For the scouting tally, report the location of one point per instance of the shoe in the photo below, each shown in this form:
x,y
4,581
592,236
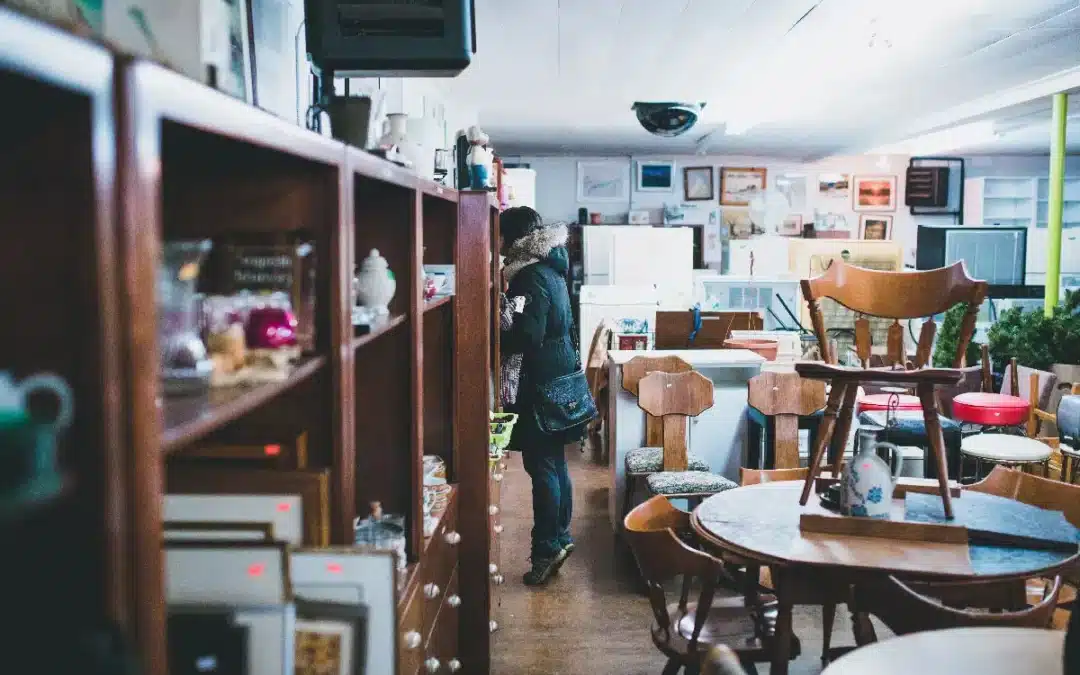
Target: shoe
x,y
565,553
543,569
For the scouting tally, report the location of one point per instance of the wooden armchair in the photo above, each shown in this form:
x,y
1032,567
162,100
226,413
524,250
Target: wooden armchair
x,y
596,372
785,397
686,631
892,295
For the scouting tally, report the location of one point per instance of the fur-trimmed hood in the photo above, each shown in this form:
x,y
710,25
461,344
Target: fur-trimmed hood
x,y
547,244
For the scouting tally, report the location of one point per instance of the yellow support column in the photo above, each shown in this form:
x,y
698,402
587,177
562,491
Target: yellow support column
x,y
1057,187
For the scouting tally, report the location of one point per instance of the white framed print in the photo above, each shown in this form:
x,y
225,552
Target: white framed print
x,y
655,176
602,181
875,226
874,193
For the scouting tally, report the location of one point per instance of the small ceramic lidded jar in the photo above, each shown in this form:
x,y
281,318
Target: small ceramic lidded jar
x,y
375,283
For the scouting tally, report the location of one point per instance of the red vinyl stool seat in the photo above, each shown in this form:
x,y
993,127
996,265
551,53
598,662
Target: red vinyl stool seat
x,y
870,402
998,410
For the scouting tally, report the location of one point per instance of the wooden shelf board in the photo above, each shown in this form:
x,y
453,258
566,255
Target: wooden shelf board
x,y
382,329
370,166
433,189
188,418
435,303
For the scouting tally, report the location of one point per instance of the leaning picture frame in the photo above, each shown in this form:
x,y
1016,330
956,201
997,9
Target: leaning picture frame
x,y
217,531
330,638
312,486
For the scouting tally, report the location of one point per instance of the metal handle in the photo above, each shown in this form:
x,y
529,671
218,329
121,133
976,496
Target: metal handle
x,y
453,600
453,538
432,665
431,591
413,639
453,665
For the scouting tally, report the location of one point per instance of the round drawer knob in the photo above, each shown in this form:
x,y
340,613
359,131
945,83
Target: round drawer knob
x,y
432,665
413,639
502,467
454,600
493,568
493,510
493,626
498,579
431,591
497,529
453,538
498,477
453,665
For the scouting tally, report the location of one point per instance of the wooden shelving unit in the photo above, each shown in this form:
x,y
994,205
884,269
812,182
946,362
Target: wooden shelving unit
x,y
109,158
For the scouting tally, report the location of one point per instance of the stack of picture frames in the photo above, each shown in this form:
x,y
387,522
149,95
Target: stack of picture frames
x,y
251,585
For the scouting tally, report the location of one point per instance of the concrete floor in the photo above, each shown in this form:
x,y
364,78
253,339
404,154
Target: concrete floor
x,y
591,619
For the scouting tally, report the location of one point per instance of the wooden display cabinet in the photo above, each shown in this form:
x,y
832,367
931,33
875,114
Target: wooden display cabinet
x,y
106,159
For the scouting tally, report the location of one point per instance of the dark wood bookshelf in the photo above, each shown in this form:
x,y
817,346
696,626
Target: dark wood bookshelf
x,y
107,159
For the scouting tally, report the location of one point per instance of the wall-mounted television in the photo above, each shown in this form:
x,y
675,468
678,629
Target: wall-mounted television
x,y
997,255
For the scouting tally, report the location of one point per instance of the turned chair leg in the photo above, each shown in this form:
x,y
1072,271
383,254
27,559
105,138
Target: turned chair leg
x,y
937,443
628,494
828,617
843,427
825,432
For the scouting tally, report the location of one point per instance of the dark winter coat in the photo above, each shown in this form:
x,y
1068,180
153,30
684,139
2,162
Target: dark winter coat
x,y
543,333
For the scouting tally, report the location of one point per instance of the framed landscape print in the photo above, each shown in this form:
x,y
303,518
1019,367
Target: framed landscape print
x,y
874,193
875,227
655,176
740,185
834,185
698,183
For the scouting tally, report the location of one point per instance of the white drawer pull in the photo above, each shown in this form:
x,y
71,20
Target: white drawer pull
x,y
497,529
432,665
493,510
497,579
431,591
453,665
454,600
493,626
413,640
453,538
498,477
493,568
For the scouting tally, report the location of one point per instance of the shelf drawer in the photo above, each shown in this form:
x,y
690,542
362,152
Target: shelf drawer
x,y
437,567
411,635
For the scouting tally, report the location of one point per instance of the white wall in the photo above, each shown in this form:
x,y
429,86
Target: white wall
x,y
556,184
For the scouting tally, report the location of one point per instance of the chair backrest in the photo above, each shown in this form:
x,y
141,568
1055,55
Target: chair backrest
x,y
673,397
895,295
785,396
755,476
905,611
637,368
652,530
1034,490
601,343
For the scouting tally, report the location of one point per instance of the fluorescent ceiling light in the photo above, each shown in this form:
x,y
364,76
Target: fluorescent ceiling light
x,y
954,138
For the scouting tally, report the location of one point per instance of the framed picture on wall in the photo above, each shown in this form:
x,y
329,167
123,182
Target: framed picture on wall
x,y
875,226
874,193
739,185
602,182
834,185
655,176
791,226
698,184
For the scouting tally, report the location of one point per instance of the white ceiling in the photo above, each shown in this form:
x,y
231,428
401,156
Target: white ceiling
x,y
559,76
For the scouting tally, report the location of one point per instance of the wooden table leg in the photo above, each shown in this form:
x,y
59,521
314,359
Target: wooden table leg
x,y
825,431
937,443
781,646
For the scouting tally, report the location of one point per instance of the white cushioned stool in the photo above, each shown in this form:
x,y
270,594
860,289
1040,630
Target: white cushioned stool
x,y
1005,449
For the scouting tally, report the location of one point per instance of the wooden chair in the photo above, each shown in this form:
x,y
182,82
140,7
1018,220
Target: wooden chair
x,y
1067,423
893,295
648,459
904,610
673,397
686,631
596,372
785,397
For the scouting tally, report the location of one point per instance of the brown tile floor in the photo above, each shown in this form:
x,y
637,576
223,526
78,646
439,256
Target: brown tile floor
x,y
590,620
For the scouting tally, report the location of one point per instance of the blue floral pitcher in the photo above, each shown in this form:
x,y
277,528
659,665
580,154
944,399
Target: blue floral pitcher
x,y
869,481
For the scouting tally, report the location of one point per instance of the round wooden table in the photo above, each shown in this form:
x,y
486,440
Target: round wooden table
x,y
987,651
760,523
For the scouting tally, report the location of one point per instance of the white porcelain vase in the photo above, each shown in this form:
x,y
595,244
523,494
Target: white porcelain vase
x,y
375,283
869,481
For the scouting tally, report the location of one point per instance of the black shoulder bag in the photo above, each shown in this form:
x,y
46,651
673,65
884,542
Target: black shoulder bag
x,y
565,404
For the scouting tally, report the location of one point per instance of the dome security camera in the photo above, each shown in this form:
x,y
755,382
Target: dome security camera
x,y
667,119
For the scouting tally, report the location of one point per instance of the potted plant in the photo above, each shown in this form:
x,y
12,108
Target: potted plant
x,y
949,335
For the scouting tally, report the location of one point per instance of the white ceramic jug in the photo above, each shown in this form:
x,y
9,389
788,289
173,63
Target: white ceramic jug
x,y
869,481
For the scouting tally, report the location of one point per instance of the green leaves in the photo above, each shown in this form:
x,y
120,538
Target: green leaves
x,y
949,335
1036,340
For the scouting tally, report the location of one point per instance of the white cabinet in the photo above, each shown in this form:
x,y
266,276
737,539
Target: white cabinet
x,y
1008,201
625,255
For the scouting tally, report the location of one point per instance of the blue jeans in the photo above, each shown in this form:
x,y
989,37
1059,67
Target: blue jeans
x,y
552,501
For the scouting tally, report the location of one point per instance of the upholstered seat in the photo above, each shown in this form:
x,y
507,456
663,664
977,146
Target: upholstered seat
x,y
650,460
1006,448
687,483
999,410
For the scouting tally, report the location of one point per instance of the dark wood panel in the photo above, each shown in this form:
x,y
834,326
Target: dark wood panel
x,y
384,215
438,406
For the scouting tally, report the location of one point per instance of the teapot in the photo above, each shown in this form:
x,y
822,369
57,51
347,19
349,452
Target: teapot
x,y
28,466
869,481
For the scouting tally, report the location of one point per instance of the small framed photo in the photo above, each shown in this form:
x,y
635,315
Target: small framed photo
x,y
330,638
655,176
632,341
739,185
874,193
698,184
791,226
875,227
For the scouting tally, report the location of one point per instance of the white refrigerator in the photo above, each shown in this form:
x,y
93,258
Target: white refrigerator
x,y
640,255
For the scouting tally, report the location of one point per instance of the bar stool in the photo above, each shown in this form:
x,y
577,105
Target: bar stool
x,y
1007,450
